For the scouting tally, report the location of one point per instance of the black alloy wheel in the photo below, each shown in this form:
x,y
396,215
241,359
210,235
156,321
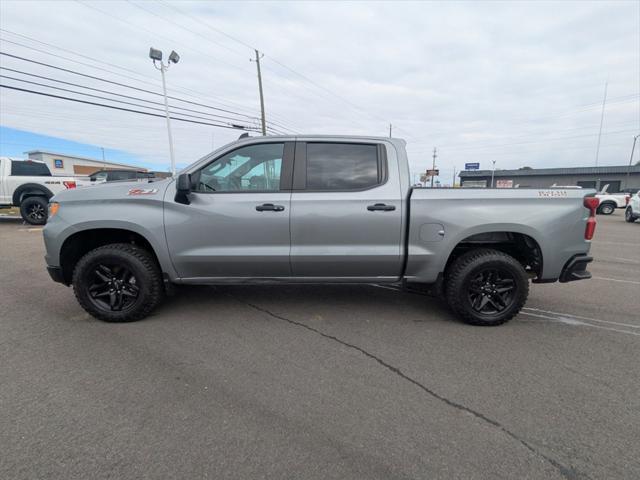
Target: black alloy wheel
x,y
113,287
491,291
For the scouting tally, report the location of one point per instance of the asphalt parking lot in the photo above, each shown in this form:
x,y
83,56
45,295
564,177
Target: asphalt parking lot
x,y
321,382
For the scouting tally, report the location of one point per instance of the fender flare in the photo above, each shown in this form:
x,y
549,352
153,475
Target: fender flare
x,y
30,190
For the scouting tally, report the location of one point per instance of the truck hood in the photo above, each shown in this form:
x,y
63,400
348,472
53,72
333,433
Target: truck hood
x,y
114,191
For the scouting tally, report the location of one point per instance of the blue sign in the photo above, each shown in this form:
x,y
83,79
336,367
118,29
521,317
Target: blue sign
x,y
472,166
58,163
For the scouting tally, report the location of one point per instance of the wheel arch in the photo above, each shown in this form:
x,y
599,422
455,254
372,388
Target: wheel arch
x,y
521,246
30,190
76,245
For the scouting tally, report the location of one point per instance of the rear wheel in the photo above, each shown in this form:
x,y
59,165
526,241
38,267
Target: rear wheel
x,y
606,208
486,287
118,283
34,210
628,215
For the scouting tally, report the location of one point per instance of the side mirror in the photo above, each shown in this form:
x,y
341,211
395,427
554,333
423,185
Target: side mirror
x,y
183,188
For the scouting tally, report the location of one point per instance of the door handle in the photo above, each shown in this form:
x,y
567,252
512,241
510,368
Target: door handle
x,y
382,207
269,207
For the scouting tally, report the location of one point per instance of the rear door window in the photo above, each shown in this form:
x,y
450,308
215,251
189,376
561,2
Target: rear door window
x,y
29,169
342,166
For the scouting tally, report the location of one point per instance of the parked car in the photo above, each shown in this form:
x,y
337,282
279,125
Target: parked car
x,y
314,209
610,201
101,176
29,185
632,212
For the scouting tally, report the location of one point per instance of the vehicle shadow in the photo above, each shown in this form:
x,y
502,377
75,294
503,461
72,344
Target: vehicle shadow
x,y
300,302
11,220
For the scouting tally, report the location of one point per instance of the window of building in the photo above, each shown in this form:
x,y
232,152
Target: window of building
x,y
342,166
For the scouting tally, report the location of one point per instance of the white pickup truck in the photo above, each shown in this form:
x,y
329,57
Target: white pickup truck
x,y
29,185
610,201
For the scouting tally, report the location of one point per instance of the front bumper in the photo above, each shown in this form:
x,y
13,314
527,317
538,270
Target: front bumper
x,y
56,274
576,269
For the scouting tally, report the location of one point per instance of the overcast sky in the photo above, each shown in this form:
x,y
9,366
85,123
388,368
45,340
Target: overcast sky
x,y
520,83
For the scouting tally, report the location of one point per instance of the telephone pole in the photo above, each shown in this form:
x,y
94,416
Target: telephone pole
x,y
453,184
390,127
264,123
433,168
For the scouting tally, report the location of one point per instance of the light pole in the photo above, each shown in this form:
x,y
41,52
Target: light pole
x,y
493,172
633,147
156,56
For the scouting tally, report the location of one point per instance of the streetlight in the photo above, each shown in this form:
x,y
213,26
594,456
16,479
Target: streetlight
x,y
493,172
156,56
633,147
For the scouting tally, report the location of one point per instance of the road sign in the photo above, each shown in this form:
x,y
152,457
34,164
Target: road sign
x,y
433,173
472,166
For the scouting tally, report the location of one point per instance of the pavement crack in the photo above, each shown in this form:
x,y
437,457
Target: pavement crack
x,y
567,472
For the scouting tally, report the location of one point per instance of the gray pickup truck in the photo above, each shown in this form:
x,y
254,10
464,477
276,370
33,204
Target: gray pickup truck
x,y
314,209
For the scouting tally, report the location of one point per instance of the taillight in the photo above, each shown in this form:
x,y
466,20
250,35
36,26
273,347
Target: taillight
x,y
626,199
70,184
592,204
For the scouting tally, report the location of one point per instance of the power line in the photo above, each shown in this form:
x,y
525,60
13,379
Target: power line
x,y
145,77
122,84
237,127
119,74
105,98
105,91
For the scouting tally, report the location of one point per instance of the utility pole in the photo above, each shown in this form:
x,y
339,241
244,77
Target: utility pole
x,y
264,123
433,168
493,172
604,100
453,184
633,147
390,127
104,163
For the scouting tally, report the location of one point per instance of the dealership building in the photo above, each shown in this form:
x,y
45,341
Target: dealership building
x,y
61,164
585,177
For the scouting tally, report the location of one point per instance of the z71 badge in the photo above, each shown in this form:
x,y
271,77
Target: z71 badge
x,y
142,191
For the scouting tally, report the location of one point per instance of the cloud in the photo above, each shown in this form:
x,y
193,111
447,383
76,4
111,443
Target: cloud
x,y
520,83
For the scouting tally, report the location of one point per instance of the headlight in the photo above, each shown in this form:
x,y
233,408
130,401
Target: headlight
x,y
53,208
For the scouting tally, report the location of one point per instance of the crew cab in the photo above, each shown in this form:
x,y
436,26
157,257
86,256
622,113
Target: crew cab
x,y
28,184
314,209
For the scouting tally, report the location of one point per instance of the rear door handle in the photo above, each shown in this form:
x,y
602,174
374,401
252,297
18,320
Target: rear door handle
x,y
382,207
269,207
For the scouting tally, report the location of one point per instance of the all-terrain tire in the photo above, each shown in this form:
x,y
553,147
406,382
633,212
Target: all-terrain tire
x,y
34,210
118,257
462,287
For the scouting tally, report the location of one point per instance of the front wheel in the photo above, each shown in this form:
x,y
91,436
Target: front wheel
x,y
628,215
486,287
606,209
34,210
118,282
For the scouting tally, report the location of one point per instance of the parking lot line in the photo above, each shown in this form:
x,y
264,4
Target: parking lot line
x,y
572,316
580,323
616,280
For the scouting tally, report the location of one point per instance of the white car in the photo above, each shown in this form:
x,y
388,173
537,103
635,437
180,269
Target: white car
x,y
632,212
28,184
